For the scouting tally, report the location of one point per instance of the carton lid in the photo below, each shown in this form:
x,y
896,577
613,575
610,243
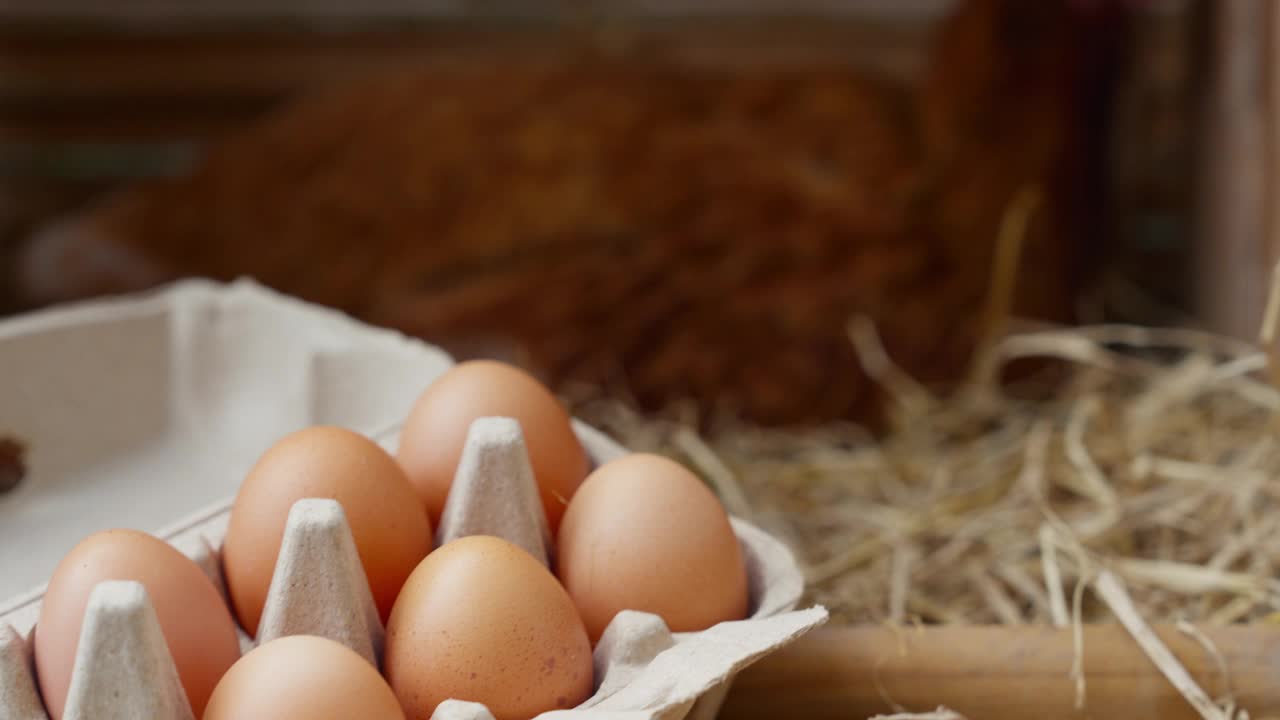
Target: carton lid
x,y
139,410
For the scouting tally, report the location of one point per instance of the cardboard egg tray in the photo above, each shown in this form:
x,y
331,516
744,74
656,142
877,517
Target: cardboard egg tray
x,y
123,668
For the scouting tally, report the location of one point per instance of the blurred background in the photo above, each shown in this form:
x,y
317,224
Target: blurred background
x,y
678,202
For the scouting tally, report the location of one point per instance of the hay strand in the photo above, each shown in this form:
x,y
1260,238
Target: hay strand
x,y
1112,592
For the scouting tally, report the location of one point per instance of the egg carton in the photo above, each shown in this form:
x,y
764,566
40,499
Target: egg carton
x,y
123,668
211,373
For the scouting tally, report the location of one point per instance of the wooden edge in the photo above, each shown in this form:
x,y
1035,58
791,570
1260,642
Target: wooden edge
x,y
995,673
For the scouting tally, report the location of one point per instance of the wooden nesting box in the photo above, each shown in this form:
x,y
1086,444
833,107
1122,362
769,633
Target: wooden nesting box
x,y
689,206
1238,240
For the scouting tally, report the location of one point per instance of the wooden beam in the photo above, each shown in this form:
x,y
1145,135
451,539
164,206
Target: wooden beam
x,y
1001,673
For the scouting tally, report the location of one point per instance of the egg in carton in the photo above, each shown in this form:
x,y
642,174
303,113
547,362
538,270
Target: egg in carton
x,y
123,668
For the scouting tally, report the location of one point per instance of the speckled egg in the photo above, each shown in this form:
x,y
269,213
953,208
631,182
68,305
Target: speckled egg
x,y
481,620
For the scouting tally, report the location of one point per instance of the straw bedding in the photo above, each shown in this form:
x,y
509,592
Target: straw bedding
x,y
1128,477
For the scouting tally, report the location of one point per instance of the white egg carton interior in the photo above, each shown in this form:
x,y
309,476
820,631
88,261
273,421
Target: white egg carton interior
x,y
123,668
131,409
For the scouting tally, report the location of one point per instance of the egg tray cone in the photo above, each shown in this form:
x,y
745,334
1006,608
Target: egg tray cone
x,y
124,670
494,492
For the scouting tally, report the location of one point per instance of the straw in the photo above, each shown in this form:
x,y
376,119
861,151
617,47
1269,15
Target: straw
x,y
1147,451
1135,461
1114,594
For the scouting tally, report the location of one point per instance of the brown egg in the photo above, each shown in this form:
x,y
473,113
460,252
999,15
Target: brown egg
x,y
303,677
196,623
432,438
482,620
644,533
390,527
